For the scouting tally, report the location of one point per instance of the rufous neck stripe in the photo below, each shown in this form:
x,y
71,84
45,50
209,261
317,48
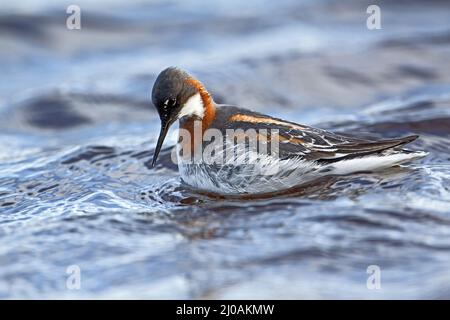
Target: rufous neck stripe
x,y
208,103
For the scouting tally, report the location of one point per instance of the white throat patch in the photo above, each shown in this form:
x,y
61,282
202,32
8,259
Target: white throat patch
x,y
193,106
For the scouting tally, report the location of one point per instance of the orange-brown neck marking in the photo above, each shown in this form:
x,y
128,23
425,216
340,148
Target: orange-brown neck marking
x,y
208,116
208,103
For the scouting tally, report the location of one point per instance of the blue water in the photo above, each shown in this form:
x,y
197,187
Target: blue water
x,y
77,131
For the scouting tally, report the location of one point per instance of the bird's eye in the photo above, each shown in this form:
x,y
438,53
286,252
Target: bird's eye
x,y
171,102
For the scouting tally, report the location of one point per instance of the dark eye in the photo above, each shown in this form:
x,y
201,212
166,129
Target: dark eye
x,y
171,102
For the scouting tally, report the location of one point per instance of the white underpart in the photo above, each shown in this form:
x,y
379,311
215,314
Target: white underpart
x,y
261,173
374,162
264,173
193,106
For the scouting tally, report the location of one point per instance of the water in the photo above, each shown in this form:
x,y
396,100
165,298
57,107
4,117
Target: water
x,y
77,132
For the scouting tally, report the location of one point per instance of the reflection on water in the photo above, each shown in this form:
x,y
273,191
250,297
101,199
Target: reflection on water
x,y
77,131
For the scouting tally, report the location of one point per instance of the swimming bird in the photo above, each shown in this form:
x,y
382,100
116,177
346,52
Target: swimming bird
x,y
298,153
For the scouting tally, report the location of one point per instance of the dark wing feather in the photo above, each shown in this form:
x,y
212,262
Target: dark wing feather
x,y
359,149
320,145
297,140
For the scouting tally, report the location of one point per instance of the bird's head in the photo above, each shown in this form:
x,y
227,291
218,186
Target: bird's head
x,y
176,95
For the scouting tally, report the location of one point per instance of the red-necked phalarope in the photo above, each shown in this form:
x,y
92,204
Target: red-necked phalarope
x,y
298,153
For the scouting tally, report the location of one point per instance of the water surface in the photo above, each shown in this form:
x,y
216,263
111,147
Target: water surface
x,y
77,131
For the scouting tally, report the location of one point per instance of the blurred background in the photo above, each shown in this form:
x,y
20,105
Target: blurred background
x,y
77,129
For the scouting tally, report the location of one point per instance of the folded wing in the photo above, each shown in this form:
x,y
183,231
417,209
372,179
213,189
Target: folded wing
x,y
313,144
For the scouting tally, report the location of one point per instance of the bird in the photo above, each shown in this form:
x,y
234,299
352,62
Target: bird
x,y
298,153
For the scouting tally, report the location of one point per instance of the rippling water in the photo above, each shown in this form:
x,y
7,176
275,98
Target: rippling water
x,y
77,131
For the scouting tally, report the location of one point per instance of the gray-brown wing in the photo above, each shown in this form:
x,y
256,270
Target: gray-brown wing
x,y
297,140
